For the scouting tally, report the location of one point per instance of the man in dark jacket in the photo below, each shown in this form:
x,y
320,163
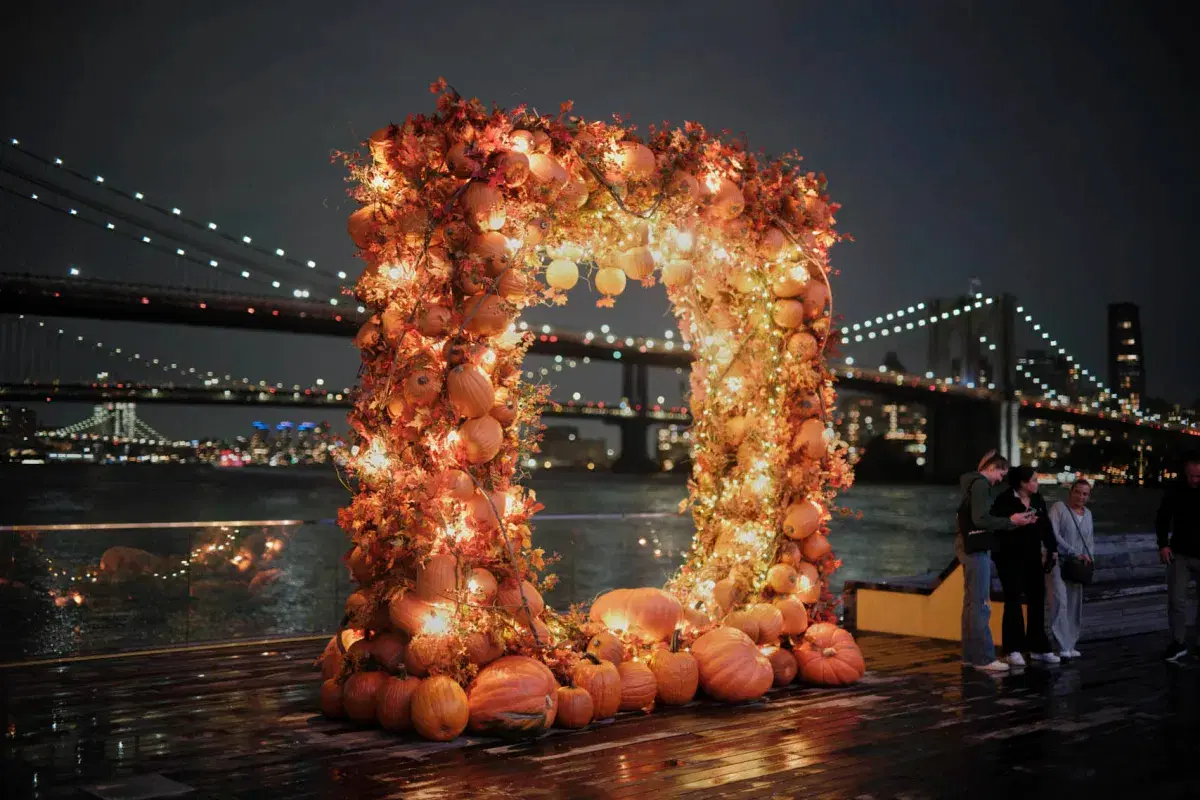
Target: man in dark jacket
x,y
1178,528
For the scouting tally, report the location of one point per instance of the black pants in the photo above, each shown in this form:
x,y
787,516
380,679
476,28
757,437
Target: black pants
x,y
1023,579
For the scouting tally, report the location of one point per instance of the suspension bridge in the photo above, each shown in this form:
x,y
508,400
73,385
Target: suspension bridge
x,y
977,388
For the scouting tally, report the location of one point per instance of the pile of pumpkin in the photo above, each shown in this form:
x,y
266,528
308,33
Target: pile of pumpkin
x,y
630,670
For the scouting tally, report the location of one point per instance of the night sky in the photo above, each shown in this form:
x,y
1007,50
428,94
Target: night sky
x,y
1050,153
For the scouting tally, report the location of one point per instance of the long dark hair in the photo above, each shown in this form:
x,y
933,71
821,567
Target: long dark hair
x,y
1019,475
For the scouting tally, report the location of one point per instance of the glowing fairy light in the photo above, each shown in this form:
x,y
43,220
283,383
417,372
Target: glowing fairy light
x,y
376,458
437,623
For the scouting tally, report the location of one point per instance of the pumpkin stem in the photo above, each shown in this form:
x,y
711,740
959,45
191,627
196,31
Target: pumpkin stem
x,y
592,657
675,641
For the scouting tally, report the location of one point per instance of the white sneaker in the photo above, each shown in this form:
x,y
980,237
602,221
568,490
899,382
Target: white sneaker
x,y
1016,660
1046,658
1064,654
1074,654
995,666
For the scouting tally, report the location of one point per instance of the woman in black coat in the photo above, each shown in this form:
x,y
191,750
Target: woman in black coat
x,y
1022,566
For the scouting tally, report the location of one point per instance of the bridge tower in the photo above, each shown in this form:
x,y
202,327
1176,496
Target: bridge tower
x,y
635,433
978,350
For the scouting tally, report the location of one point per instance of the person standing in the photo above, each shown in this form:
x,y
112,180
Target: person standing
x,y
1178,529
1022,557
975,527
1074,532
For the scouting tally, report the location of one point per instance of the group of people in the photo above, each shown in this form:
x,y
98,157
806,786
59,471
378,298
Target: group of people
x,y
1003,524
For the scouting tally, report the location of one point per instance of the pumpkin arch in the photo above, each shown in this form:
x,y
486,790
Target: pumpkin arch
x,y
468,217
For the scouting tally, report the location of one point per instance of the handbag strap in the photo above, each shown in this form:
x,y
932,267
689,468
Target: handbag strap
x,y
1079,530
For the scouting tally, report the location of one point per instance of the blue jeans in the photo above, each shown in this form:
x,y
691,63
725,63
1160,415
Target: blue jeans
x,y
977,647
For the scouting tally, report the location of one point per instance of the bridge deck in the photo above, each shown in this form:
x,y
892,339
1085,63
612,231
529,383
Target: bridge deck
x,y
239,723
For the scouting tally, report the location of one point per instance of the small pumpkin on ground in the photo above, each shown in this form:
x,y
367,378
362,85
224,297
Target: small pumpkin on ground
x,y
783,664
638,686
331,700
675,673
393,704
829,656
602,680
358,695
439,709
574,707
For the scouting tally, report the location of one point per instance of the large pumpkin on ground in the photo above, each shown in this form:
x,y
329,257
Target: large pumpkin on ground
x,y
649,613
602,681
638,686
829,656
439,709
731,668
513,696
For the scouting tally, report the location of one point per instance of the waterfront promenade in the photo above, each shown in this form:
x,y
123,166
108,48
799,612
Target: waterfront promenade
x,y
241,722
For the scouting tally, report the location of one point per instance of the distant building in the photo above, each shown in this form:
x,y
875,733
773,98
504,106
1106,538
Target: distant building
x,y
1126,358
562,446
18,430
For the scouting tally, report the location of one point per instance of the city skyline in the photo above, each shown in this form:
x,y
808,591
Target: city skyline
x,y
944,171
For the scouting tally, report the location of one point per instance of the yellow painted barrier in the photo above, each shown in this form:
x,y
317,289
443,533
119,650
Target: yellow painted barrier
x,y
935,614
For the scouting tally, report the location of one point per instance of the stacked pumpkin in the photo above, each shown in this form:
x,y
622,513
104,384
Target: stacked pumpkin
x,y
467,218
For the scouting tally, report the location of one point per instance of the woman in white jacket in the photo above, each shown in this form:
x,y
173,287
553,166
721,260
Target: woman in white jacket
x,y
1075,534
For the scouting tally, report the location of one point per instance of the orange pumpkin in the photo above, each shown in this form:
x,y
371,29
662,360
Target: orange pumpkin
x,y
638,686
794,614
728,200
788,313
677,273
363,224
809,582
789,284
635,160
512,285
482,587
514,168
437,578
607,646
743,621
574,708
810,439
803,345
408,613
331,660
388,650
829,656
562,274
637,263
422,386
815,547
816,299
801,519
651,614
433,320
685,184
393,704
470,391
602,681
358,695
574,194
456,483
731,667
482,648
425,651
484,315
514,696
610,281
789,553
783,665
769,620
367,336
331,700
482,203
728,593
439,709
772,243
461,164
675,674
510,599
546,169
783,579
505,413
481,439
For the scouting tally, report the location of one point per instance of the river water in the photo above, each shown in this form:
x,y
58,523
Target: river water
x,y
894,531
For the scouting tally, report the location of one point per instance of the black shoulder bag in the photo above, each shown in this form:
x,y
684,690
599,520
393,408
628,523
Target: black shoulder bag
x,y
974,541
1073,568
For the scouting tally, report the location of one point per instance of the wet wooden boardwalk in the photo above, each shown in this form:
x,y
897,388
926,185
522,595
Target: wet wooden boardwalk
x,y
240,723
